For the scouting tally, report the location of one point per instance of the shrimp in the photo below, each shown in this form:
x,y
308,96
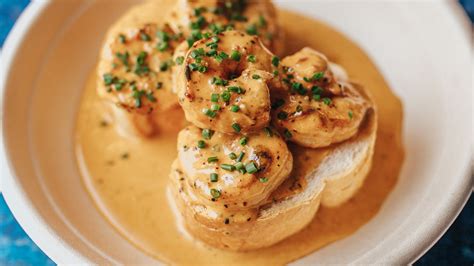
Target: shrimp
x,y
235,172
134,74
222,83
313,107
192,18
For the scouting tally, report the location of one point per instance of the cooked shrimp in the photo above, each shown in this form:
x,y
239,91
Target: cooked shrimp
x,y
193,18
134,73
233,171
222,83
311,106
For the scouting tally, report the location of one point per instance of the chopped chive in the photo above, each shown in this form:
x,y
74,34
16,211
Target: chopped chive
x,y
221,57
215,193
161,46
213,177
219,81
211,52
317,76
214,97
239,166
228,167
275,73
316,90
287,134
268,131
241,156
261,21
251,168
202,69
215,107
201,144
207,133
278,103
251,58
282,115
122,38
162,36
252,29
263,179
316,97
243,141
232,156
108,78
197,53
327,101
236,89
212,159
236,127
209,112
350,114
275,61
255,76
235,55
179,60
225,96
144,37
234,108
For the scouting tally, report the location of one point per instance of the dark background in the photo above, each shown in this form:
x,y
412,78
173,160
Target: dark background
x,y
456,247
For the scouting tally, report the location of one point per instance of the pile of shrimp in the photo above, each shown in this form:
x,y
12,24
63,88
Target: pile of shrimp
x,y
242,101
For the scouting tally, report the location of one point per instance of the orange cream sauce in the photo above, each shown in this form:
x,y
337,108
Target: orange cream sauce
x,y
128,178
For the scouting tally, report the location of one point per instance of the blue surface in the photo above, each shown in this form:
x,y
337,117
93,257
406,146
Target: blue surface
x,y
456,247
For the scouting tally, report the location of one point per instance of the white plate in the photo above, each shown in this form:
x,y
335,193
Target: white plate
x,y
421,47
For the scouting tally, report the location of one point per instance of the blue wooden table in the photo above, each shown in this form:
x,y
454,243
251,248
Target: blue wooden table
x,y
456,247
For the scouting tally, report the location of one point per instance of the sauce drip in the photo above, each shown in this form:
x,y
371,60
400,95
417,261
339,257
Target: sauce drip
x,y
128,178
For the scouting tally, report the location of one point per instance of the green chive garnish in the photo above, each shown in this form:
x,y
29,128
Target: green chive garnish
x,y
239,166
235,55
207,133
236,127
179,60
263,179
108,79
275,61
212,159
243,141
327,101
255,76
122,38
214,97
209,112
228,167
241,156
215,107
252,30
282,115
251,58
201,144
225,96
232,156
234,108
251,168
350,114
287,134
144,37
215,193
213,177
268,131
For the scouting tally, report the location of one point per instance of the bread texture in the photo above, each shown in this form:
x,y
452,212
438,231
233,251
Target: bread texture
x,y
330,182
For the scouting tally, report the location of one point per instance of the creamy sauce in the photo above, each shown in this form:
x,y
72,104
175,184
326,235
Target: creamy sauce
x,y
128,178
